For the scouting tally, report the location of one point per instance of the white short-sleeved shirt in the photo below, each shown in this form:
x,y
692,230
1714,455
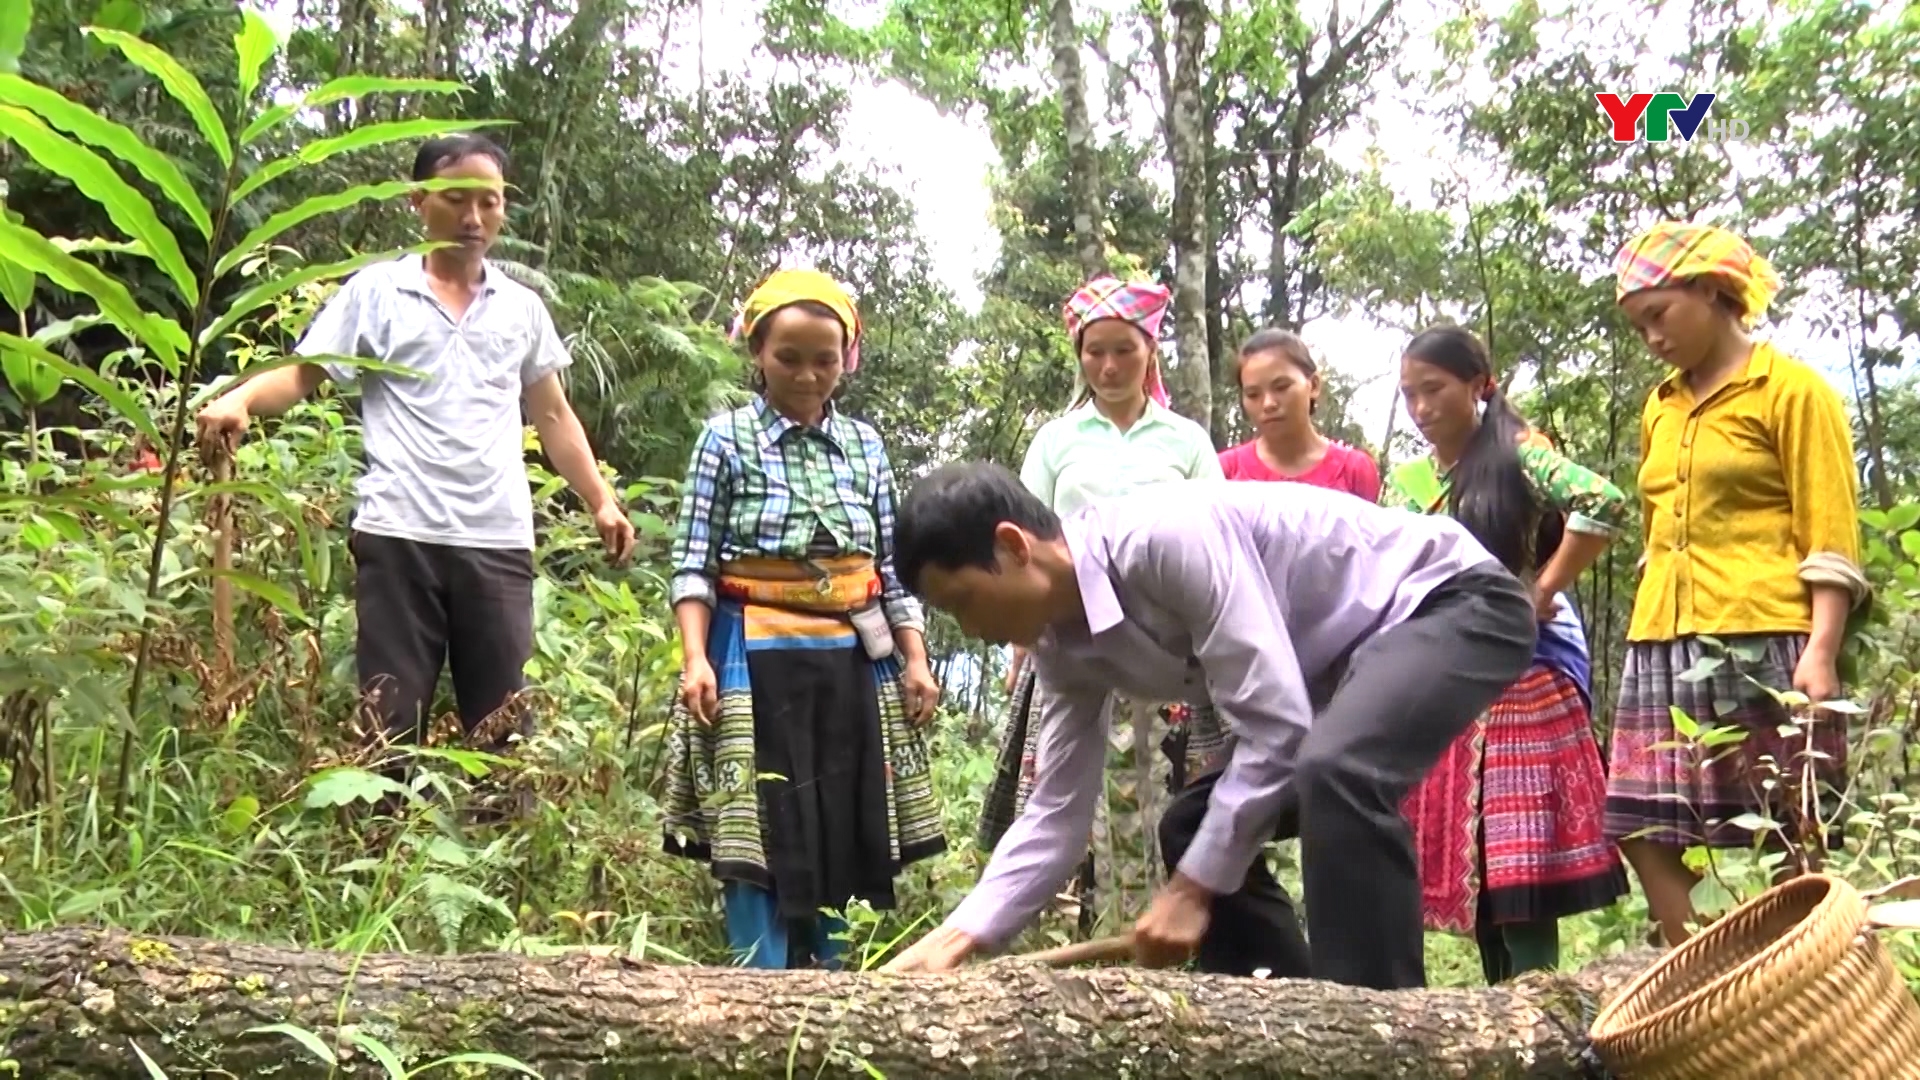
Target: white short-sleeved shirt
x,y
444,453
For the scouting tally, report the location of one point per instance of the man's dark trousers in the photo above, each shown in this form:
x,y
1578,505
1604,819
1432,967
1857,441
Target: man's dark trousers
x,y
1404,695
422,605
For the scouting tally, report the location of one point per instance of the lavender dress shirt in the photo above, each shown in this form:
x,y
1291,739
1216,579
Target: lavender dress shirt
x,y
1248,595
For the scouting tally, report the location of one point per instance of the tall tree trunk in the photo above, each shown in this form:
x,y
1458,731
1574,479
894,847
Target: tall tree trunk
x,y
1868,403
1083,164
80,1000
1186,152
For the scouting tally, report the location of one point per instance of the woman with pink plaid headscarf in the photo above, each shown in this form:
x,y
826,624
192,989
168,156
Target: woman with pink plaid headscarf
x,y
1118,437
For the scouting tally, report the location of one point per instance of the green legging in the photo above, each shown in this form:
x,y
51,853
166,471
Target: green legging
x,y
1508,949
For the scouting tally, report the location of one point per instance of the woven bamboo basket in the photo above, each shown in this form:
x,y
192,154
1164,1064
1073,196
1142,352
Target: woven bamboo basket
x,y
1794,983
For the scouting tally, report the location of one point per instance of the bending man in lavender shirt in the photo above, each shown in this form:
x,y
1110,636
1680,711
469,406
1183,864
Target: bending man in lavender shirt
x,y
1344,644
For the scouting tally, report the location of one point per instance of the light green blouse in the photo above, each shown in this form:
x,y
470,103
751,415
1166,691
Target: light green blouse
x,y
1082,456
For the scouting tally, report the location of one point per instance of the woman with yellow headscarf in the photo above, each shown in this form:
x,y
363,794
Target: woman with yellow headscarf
x,y
1748,495
797,770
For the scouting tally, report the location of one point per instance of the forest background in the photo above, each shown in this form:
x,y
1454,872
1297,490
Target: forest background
x,y
176,706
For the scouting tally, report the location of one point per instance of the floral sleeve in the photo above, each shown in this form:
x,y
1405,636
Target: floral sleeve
x,y
1592,503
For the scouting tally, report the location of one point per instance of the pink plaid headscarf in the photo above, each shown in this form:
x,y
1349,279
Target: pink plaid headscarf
x,y
1142,304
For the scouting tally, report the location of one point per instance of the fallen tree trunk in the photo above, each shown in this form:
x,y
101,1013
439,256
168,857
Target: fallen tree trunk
x,y
75,1002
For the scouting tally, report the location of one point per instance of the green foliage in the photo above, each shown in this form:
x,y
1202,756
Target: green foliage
x,y
183,190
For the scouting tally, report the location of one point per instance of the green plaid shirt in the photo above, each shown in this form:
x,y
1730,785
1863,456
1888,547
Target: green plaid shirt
x,y
760,485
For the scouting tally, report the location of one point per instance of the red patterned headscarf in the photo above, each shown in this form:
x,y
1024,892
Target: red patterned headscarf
x,y
1140,304
1673,252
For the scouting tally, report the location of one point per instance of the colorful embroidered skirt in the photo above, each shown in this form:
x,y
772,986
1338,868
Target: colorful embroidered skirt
x,y
811,783
1685,796
1194,743
1515,808
1012,767
1197,744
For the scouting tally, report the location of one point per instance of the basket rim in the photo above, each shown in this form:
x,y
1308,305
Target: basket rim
x,y
1607,1026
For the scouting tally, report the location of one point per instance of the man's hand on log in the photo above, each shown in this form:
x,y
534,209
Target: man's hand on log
x,y
1170,932
941,950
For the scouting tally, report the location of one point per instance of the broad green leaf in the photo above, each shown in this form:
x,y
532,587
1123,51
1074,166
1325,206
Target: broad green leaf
x,y
122,402
81,904
66,328
123,15
267,121
38,533
1903,516
480,1057
95,130
266,493
154,1071
16,285
358,86
341,89
253,46
277,595
88,244
386,1057
328,204
179,82
475,763
162,336
360,138
16,18
305,1038
85,505
1711,897
251,300
220,386
240,813
345,784
32,382
88,171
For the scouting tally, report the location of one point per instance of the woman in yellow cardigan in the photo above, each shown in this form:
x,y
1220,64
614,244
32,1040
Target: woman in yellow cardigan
x,y
1748,494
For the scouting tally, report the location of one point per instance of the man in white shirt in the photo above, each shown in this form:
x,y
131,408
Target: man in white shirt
x,y
442,529
1344,644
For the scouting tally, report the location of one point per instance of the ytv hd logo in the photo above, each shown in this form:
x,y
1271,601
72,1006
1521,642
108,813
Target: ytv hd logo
x,y
1666,112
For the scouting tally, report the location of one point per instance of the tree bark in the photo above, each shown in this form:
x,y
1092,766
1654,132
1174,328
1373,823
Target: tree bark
x,y
1083,162
76,1002
1192,382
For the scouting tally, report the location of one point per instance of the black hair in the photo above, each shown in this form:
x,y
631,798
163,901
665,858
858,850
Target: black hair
x,y
1080,333
437,154
1722,294
1286,343
1490,493
948,519
1289,345
757,338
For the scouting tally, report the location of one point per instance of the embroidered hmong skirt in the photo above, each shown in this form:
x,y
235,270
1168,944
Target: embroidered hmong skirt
x,y
1686,796
811,783
1195,740
1515,809
1013,766
1197,744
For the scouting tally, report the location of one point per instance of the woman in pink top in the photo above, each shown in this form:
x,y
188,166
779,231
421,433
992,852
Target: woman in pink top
x,y
1279,389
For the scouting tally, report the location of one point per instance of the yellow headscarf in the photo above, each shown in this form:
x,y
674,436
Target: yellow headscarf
x,y
1674,252
785,287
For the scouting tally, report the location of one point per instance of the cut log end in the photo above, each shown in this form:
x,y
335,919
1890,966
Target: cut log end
x,y
77,1000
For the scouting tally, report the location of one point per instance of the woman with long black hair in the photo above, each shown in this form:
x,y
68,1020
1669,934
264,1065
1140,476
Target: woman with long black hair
x,y
1508,824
